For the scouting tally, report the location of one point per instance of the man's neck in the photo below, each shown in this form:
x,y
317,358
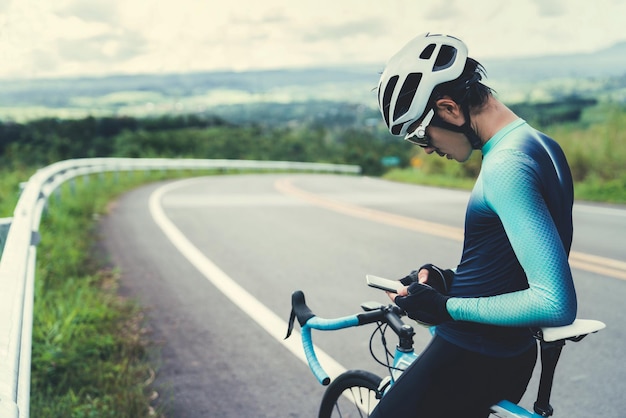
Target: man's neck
x,y
490,118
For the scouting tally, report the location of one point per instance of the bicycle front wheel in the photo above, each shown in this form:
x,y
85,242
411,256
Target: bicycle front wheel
x,y
351,394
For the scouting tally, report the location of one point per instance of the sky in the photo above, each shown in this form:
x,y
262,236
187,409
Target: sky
x,y
67,38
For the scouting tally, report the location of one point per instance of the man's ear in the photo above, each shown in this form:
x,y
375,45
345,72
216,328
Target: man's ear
x,y
449,110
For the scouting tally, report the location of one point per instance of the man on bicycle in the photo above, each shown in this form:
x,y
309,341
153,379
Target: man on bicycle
x,y
514,272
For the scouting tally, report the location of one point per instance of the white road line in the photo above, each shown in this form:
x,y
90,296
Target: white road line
x,y
258,312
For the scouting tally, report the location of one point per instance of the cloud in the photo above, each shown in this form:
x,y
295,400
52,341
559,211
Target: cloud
x,y
442,11
100,11
117,47
272,16
553,8
369,27
41,58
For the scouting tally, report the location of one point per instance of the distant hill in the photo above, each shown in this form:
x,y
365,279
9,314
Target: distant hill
x,y
145,93
609,62
60,91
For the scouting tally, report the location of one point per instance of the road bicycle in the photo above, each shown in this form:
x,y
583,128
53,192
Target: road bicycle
x,y
355,393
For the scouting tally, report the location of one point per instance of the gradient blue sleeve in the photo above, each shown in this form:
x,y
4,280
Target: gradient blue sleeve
x,y
512,190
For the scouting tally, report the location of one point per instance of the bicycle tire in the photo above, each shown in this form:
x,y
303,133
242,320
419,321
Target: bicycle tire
x,y
360,388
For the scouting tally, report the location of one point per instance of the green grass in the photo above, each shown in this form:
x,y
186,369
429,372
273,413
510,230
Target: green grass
x,y
10,189
435,180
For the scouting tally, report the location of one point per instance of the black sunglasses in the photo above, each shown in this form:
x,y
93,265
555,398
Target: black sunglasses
x,y
418,136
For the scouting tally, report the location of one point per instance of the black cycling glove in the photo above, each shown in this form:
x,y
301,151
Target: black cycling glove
x,y
438,278
424,304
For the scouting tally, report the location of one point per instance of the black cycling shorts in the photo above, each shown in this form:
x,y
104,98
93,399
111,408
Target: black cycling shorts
x,y
448,381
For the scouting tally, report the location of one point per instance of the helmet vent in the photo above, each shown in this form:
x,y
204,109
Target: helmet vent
x,y
427,52
387,97
445,58
406,95
396,129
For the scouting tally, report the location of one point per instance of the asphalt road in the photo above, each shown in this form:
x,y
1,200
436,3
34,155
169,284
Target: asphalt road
x,y
214,261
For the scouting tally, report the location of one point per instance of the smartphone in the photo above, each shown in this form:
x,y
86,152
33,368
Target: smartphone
x,y
384,284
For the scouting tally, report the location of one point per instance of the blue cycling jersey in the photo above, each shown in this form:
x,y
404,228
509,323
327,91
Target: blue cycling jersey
x,y
514,272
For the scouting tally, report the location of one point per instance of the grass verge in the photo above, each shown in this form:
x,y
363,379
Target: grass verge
x,y
436,180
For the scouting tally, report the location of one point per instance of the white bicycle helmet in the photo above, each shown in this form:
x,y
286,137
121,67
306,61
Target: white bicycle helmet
x,y
412,74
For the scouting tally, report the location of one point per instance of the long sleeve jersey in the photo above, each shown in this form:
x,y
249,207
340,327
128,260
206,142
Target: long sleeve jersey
x,y
514,272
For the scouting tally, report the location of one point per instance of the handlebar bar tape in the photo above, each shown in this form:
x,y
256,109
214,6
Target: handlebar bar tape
x,y
307,342
308,321
311,358
333,324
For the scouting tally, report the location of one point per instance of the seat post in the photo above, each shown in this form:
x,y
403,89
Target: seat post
x,y
550,353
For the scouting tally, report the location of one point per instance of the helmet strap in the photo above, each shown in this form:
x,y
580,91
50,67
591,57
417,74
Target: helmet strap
x,y
471,134
465,129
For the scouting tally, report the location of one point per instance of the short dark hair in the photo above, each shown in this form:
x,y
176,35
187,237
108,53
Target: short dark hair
x,y
467,88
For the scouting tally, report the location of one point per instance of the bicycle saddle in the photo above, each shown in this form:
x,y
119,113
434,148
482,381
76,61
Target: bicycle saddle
x,y
575,331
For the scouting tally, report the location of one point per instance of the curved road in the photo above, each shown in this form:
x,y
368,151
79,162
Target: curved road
x,y
214,260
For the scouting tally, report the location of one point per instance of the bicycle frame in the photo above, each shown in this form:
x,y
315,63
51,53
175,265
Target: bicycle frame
x,y
552,340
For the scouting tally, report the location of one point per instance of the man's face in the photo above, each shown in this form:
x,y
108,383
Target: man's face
x,y
445,143
452,145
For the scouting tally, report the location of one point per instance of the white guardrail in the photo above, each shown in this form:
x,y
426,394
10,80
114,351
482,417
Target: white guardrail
x,y
17,265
